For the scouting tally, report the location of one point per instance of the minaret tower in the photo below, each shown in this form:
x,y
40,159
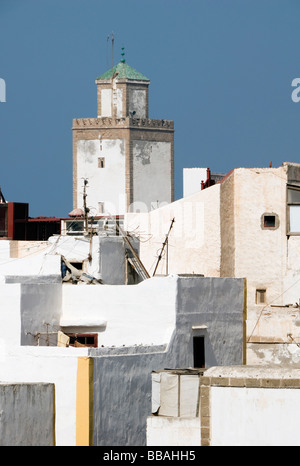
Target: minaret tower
x,y
127,158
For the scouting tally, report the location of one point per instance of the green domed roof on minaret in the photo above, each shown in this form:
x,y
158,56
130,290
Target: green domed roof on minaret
x,y
123,71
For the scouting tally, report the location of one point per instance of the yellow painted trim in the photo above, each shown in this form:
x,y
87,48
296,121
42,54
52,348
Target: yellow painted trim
x,y
245,323
84,401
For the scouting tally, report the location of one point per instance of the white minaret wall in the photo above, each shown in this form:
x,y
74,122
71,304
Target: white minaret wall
x,y
126,157
138,103
105,185
151,161
106,103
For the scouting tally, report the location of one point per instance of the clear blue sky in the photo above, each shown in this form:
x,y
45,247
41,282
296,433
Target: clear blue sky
x,y
221,69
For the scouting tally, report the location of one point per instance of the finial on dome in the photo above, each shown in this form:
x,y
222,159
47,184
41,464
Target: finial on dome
x,y
123,55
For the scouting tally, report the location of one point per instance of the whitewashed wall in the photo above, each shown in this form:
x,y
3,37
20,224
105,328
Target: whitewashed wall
x,y
194,241
4,250
192,178
239,406
106,103
260,254
49,365
151,173
136,314
258,416
172,431
33,364
104,184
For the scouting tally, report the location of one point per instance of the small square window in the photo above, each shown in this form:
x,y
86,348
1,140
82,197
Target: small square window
x,y
101,162
269,221
260,296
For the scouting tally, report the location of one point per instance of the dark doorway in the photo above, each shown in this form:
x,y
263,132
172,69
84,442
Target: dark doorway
x,y
199,352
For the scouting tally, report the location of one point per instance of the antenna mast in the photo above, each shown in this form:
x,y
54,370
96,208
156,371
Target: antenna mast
x,y
112,37
86,209
165,243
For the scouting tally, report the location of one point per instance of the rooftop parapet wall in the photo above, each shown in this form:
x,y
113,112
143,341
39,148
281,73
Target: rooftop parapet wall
x,y
23,405
163,311
146,123
258,398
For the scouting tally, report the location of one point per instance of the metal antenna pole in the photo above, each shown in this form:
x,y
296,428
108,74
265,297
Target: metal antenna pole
x,y
163,247
86,210
112,37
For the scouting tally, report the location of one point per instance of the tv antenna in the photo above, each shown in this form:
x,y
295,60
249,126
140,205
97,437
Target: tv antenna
x,y
112,38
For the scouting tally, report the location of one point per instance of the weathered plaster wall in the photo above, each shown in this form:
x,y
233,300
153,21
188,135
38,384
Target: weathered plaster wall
x,y
138,102
262,403
27,415
217,303
121,98
119,179
106,103
260,254
14,249
36,268
113,253
227,220
47,364
219,232
194,241
27,248
40,313
111,102
112,260
123,315
142,328
122,376
25,308
104,184
151,173
266,257
279,354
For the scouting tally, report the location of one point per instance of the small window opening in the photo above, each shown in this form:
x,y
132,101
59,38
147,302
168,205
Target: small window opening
x,y
77,265
101,207
83,339
199,352
269,221
101,162
260,296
